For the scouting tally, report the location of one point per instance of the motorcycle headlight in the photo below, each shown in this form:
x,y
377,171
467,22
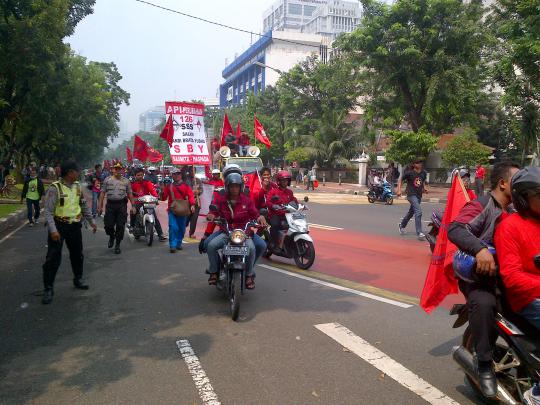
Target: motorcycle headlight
x,y
238,237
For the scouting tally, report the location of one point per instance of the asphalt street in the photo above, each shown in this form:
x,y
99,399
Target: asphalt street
x,y
151,331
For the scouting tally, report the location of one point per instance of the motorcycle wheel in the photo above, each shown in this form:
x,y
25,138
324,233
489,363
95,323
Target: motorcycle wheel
x,y
306,259
149,233
370,199
389,200
234,299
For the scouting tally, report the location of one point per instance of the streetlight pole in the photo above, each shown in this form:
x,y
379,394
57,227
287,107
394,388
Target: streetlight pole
x,y
279,72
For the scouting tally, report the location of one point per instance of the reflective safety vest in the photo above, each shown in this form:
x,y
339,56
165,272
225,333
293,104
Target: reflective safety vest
x,y
68,204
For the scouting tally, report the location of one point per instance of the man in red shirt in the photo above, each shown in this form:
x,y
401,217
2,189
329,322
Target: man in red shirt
x,y
237,209
479,180
267,185
281,195
141,187
243,142
177,190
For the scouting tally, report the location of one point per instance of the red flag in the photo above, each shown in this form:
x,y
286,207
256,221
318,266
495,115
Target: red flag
x,y
154,155
253,181
225,129
167,132
238,129
440,280
129,156
140,149
260,134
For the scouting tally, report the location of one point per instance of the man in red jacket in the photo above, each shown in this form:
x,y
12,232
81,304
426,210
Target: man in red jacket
x,y
267,185
141,187
281,195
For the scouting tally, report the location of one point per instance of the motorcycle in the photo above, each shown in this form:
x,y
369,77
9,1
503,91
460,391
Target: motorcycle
x,y
145,219
294,241
232,271
435,224
516,353
381,193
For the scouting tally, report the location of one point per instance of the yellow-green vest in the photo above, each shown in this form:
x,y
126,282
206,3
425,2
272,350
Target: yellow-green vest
x,y
33,193
68,204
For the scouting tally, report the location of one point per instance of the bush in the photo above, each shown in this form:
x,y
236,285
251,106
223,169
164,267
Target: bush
x,y
465,150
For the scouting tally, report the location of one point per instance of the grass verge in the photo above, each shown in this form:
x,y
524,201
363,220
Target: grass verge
x,y
6,209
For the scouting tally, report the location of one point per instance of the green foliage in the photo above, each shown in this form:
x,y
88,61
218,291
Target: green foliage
x,y
419,61
300,155
465,150
408,146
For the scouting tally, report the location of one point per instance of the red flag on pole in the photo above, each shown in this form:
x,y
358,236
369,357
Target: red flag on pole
x,y
253,181
225,129
167,132
154,155
129,156
140,149
238,129
440,280
260,134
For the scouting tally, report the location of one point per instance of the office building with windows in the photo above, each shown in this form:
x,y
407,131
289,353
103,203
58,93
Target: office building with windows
x,y
289,14
333,18
150,119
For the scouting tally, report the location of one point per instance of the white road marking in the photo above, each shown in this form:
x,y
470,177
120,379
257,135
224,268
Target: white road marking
x,y
387,365
339,287
11,233
327,227
206,391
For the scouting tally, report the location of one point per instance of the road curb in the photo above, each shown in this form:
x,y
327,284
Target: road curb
x,y
12,220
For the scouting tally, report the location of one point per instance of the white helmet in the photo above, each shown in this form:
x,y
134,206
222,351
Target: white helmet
x,y
216,171
151,169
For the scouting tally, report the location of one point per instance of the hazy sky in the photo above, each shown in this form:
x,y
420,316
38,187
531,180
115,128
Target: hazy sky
x,y
161,54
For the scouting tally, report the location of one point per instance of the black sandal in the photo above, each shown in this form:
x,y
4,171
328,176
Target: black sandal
x,y
212,280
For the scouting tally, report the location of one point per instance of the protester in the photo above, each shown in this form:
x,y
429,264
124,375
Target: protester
x,y
232,142
266,186
466,177
416,179
194,217
94,185
64,208
278,196
32,190
177,190
152,175
479,180
472,231
310,178
117,189
243,143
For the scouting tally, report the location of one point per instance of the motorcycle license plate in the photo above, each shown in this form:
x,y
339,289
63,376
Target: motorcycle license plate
x,y
229,250
297,215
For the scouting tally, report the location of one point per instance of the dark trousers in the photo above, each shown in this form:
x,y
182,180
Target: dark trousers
x,y
71,234
157,224
115,219
275,226
32,205
193,218
479,187
482,309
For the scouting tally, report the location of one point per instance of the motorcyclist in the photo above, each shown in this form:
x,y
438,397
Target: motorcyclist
x,y
216,180
466,177
471,231
141,187
280,195
237,209
266,186
152,175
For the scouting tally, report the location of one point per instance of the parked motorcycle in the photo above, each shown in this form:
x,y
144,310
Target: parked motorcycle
x,y
294,241
145,219
435,226
382,193
516,352
233,256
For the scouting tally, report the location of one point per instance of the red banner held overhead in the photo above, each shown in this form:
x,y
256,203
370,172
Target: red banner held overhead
x,y
168,131
225,129
140,149
260,134
129,156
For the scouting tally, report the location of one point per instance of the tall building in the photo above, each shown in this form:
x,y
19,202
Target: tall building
x,y
264,61
289,14
334,18
150,119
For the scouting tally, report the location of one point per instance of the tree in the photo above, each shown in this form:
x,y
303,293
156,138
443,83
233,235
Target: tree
x,y
409,146
420,61
465,150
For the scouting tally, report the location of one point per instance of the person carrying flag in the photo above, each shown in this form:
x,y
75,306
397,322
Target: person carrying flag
x,y
280,195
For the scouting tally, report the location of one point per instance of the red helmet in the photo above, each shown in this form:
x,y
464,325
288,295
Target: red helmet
x,y
284,174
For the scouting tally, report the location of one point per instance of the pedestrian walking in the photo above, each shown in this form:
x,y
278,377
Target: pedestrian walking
x,y
65,206
94,185
479,176
179,209
416,179
33,190
117,190
310,179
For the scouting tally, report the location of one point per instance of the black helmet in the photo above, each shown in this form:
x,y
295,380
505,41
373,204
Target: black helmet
x,y
525,180
234,178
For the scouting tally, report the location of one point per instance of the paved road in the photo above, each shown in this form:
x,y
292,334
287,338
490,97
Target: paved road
x,y
297,342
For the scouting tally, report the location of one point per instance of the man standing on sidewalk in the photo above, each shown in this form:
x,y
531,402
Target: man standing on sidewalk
x,y
416,186
64,208
32,190
479,180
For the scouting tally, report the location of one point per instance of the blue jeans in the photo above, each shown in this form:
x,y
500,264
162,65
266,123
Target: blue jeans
x,y
177,228
415,210
32,205
95,196
217,240
532,313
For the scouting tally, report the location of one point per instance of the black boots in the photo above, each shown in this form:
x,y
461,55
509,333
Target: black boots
x,y
117,248
81,285
486,378
111,242
47,296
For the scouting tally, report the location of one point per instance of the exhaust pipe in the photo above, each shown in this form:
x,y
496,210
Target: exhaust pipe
x,y
466,361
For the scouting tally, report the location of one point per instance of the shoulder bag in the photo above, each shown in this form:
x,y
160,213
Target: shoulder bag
x,y
180,208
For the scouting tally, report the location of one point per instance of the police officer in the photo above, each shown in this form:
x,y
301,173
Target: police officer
x,y
118,190
64,208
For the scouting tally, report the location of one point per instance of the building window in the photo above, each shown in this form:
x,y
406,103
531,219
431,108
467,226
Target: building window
x,y
259,77
253,82
295,9
308,10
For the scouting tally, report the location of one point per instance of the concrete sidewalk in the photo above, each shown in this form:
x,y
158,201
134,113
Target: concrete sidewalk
x,y
437,194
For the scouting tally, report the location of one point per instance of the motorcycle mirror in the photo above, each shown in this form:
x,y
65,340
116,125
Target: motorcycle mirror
x,y
275,198
213,207
263,212
306,198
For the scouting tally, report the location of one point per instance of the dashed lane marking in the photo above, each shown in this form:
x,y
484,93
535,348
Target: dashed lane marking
x,y
339,287
387,365
202,382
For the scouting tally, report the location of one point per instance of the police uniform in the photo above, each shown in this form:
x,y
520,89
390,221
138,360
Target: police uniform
x,y
117,192
64,209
